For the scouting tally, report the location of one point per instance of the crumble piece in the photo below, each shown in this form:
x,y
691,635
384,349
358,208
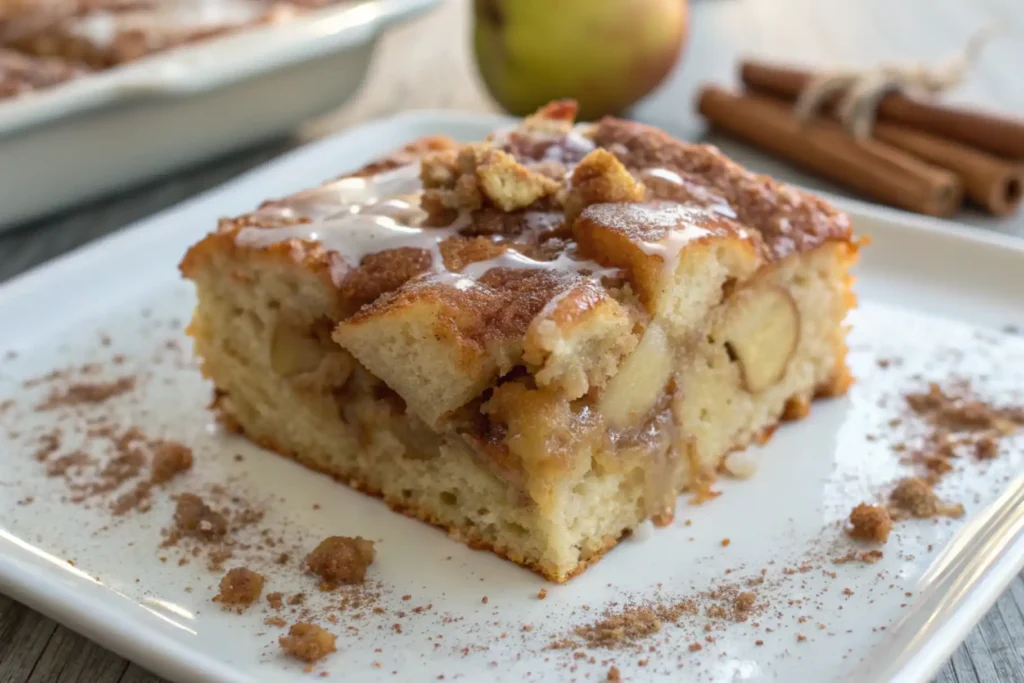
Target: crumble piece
x,y
914,496
341,560
308,642
986,448
194,517
743,604
870,523
240,586
169,459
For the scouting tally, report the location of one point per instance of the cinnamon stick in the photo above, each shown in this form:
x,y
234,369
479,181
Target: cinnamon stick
x,y
998,135
995,185
874,168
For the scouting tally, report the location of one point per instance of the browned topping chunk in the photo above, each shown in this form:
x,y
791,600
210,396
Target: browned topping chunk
x,y
341,560
169,459
195,518
870,523
914,496
613,674
744,603
275,600
308,642
986,448
240,586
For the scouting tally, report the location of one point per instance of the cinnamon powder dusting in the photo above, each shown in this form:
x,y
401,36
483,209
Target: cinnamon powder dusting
x,y
80,393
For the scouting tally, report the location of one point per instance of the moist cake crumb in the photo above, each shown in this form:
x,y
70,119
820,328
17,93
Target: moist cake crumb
x,y
542,593
240,586
194,517
870,523
341,560
308,642
170,458
614,674
914,496
276,600
275,621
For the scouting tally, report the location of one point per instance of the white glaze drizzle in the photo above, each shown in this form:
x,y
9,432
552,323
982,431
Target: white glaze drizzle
x,y
358,216
353,195
516,260
712,201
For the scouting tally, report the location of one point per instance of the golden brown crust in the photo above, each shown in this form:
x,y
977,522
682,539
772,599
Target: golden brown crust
x,y
789,220
503,198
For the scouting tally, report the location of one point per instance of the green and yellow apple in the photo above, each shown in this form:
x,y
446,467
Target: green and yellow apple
x,y
605,54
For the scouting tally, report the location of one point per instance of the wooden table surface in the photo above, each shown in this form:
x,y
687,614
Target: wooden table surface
x,y
428,64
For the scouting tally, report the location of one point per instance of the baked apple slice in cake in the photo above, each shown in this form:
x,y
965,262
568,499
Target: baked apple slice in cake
x,y
537,341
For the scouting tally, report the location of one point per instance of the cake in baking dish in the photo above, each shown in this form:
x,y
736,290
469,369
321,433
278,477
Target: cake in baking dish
x,y
20,74
105,33
537,341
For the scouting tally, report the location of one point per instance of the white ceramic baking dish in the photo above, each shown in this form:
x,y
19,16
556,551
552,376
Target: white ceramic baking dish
x,y
108,131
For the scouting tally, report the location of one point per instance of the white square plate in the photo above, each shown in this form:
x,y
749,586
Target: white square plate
x,y
932,294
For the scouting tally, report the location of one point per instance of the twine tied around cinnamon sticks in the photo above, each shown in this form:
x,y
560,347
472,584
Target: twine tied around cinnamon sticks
x,y
916,154
861,90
